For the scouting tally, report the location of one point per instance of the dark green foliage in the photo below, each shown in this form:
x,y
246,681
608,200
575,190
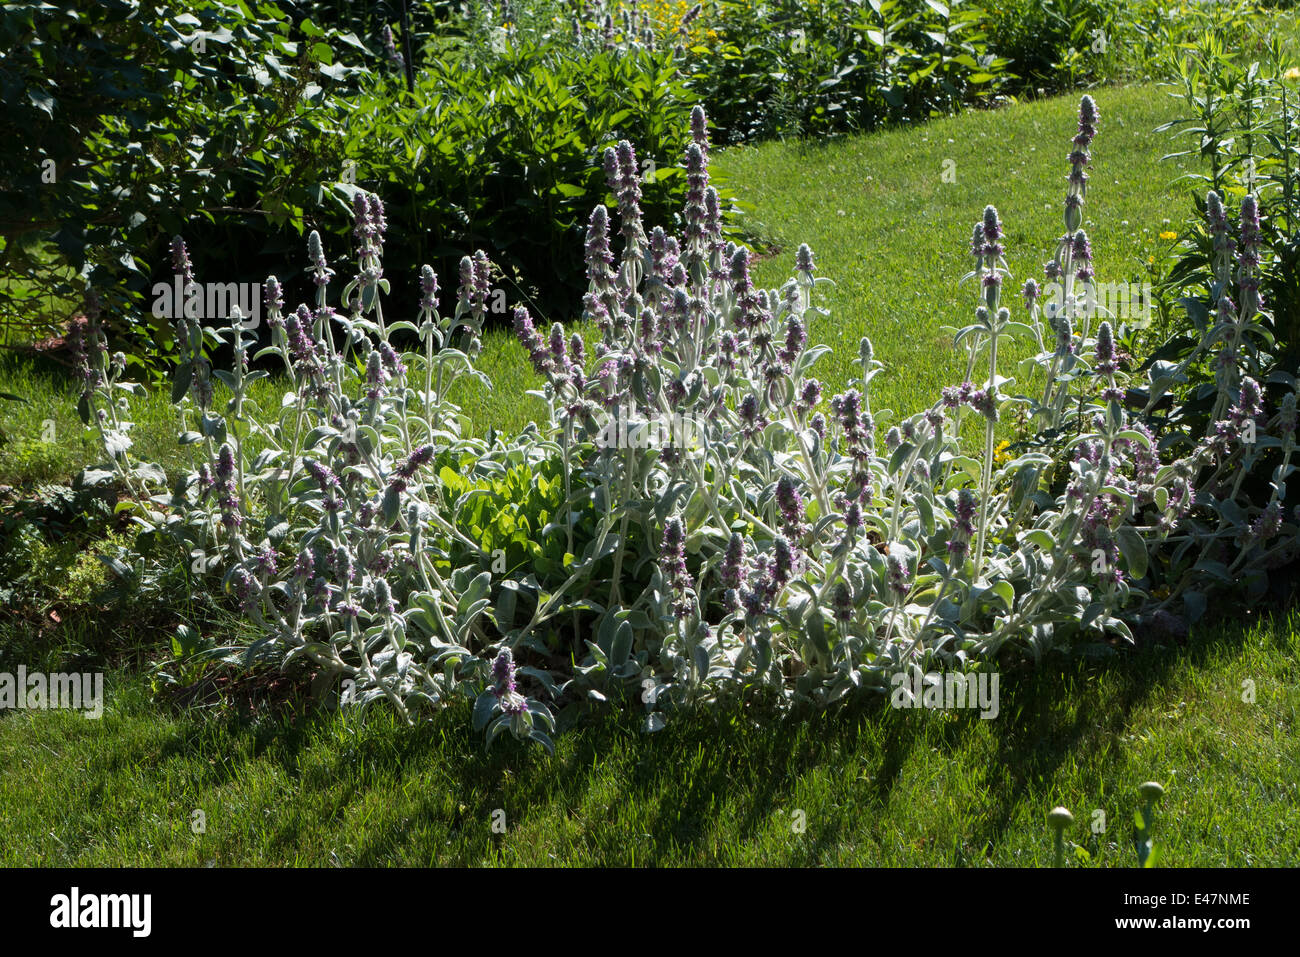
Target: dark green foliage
x,y
128,122
505,155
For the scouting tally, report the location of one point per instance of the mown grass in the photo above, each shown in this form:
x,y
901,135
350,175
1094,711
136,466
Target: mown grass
x,y
875,785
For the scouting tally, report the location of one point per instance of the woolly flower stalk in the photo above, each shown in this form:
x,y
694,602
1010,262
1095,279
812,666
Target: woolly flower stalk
x,y
1064,337
225,488
328,483
790,504
699,121
428,289
752,313
362,227
1089,118
781,568
1250,403
406,471
963,528
1031,293
672,561
977,245
376,376
531,340
733,562
392,361
810,393
1267,524
1107,358
321,272
1081,252
390,46
624,180
712,221
796,337
752,420
599,258
504,685
1248,258
803,261
900,576
1221,238
695,233
181,260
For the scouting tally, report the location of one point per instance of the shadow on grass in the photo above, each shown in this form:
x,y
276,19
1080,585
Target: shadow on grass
x,y
716,776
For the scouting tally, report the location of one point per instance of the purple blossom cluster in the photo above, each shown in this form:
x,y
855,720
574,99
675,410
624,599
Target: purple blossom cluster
x,y
981,400
225,488
328,483
624,181
963,528
404,472
505,684
672,561
790,504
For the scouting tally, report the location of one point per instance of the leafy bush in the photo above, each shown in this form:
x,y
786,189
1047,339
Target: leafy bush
x,y
769,545
503,153
1244,121
126,122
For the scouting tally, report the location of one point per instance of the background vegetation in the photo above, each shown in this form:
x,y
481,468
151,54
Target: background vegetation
x,y
283,782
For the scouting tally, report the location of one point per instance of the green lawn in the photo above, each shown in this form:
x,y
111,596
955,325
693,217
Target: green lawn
x,y
877,786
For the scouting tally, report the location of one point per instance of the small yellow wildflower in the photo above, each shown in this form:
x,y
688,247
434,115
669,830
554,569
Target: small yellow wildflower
x,y
1169,234
1001,453
1151,259
1292,74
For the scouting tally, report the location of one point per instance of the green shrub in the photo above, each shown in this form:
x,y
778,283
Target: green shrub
x,y
126,122
504,155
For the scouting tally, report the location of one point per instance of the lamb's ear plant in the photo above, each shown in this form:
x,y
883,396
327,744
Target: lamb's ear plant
x,y
724,526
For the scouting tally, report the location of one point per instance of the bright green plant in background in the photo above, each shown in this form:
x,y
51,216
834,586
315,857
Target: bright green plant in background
x,y
1243,120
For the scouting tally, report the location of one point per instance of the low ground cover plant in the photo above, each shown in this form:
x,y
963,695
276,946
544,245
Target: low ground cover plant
x,y
696,519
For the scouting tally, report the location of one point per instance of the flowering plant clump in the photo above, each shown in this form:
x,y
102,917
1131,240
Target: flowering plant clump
x,y
324,521
728,526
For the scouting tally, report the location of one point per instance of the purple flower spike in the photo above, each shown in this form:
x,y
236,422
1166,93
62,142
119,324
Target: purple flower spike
x,y
900,576
699,124
672,561
803,259
790,502
1107,361
733,562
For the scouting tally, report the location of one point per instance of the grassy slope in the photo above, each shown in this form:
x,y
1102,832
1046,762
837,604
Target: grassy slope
x,y
894,236
878,786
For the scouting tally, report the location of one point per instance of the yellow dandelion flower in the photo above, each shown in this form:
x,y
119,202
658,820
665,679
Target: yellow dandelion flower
x,y
1001,453
1169,234
1151,259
